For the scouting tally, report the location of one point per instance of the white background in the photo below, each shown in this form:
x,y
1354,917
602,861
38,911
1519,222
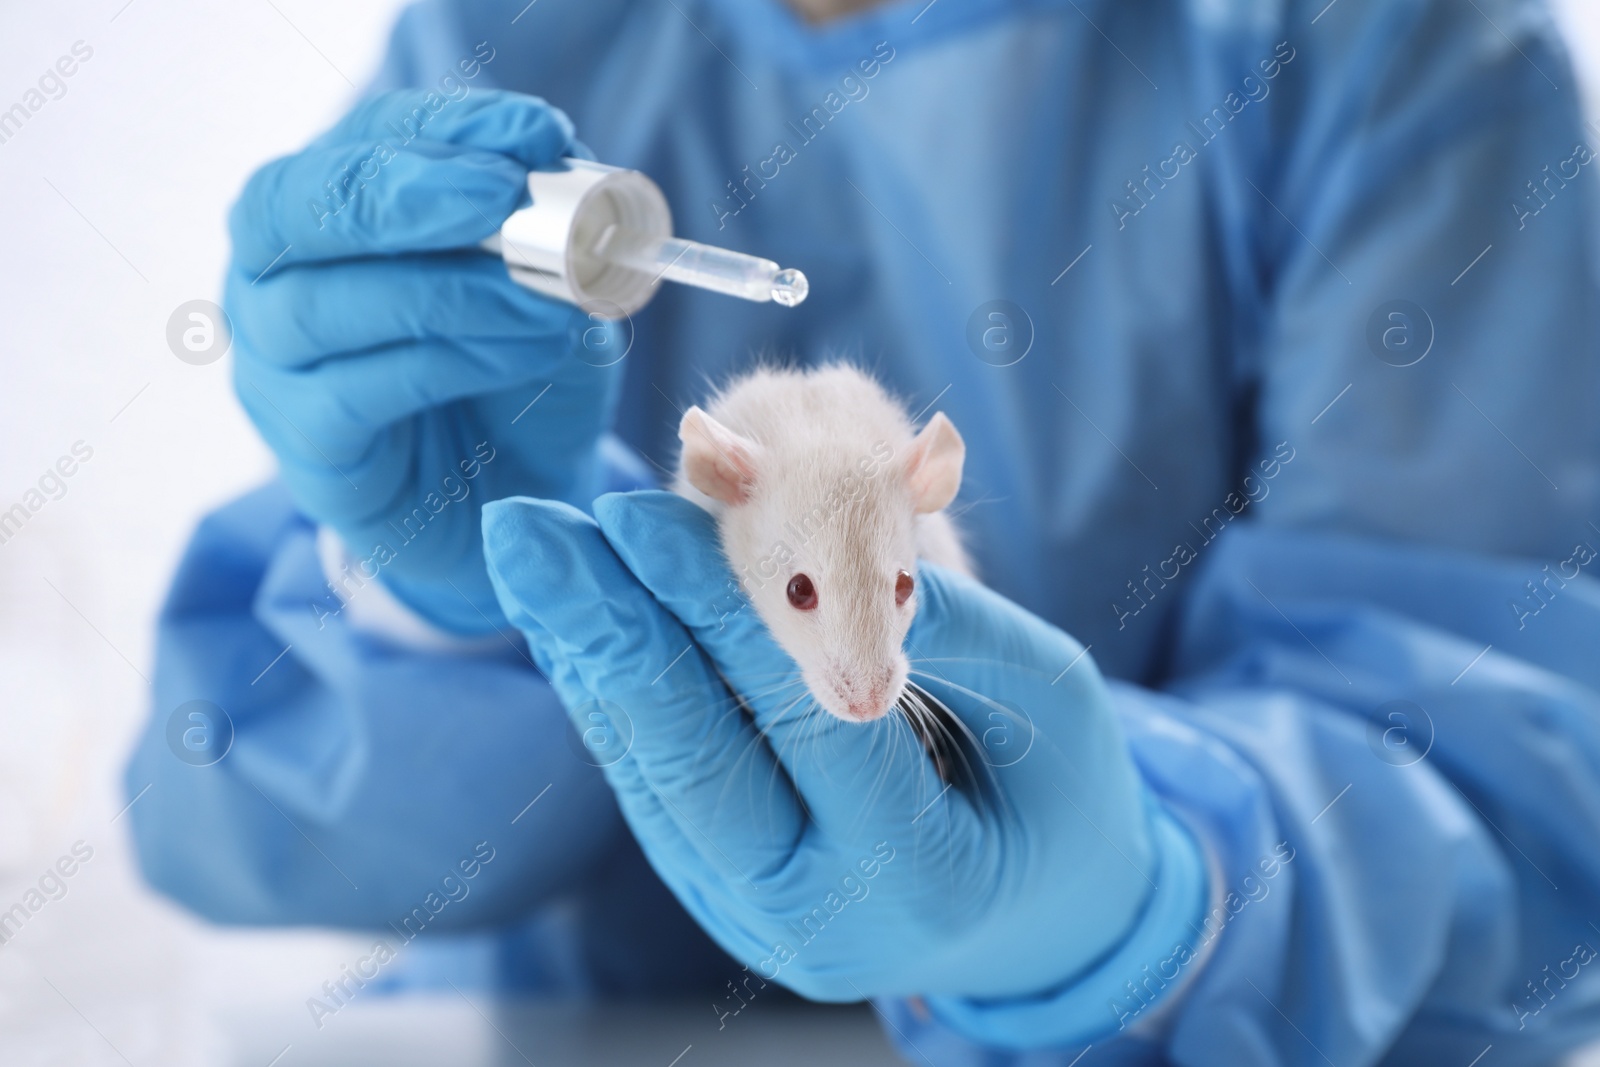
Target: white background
x,y
155,135
112,201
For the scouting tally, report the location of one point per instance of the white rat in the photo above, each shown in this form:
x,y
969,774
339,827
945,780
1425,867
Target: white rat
x,y
825,497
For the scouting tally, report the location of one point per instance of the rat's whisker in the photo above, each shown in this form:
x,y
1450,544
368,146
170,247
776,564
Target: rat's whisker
x,y
943,715
748,699
749,753
798,731
981,660
973,693
956,511
910,735
790,681
941,722
918,710
881,780
987,782
764,732
780,729
783,714
790,675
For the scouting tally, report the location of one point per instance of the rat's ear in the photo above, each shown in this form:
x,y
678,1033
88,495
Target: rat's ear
x,y
933,469
717,461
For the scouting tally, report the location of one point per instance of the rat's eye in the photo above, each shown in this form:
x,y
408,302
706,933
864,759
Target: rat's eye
x,y
802,594
903,585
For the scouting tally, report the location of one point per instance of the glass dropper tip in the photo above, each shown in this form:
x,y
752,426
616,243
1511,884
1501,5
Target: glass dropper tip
x,y
789,287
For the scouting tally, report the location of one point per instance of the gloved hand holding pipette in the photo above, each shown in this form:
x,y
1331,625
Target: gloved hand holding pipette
x,y
390,306
434,354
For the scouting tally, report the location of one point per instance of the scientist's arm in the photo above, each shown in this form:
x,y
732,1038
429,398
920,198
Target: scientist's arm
x,y
1385,718
334,778
386,371
395,377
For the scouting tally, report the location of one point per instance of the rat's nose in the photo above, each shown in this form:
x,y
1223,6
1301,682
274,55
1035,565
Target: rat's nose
x,y
861,699
865,710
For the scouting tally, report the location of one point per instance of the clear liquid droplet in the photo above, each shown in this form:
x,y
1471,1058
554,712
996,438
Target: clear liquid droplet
x,y
789,287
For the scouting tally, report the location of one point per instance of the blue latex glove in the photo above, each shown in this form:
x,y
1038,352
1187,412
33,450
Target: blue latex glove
x,y
392,371
827,855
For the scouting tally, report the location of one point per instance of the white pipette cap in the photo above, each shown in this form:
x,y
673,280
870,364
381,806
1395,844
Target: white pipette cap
x,y
601,237
546,246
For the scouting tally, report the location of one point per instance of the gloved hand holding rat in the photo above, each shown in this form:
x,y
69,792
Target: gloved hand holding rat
x,y
768,817
823,850
400,376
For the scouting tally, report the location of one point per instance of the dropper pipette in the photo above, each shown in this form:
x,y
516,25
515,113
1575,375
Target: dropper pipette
x,y
601,237
690,263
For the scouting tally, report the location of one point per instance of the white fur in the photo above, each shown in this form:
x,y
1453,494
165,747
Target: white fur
x,y
820,472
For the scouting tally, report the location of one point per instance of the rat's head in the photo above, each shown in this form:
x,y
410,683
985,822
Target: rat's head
x,y
823,538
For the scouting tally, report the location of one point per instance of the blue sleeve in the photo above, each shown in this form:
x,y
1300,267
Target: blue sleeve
x,y
362,781
364,786
358,775
1380,709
